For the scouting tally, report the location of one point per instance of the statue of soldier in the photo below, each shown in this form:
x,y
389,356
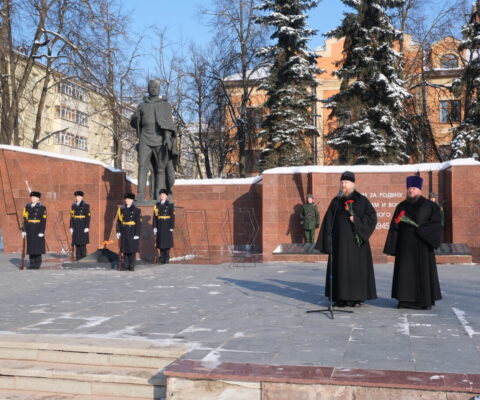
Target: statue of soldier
x,y
153,122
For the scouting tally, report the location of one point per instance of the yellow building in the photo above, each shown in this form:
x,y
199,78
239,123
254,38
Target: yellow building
x,y
430,82
75,121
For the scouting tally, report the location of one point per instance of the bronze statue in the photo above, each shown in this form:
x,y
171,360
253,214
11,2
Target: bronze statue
x,y
153,122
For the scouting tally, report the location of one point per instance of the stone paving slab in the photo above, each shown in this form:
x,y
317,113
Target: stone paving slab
x,y
255,315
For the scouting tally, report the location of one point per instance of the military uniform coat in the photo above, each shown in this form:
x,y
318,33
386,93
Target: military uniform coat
x,y
310,216
164,220
79,220
34,222
129,220
353,275
415,276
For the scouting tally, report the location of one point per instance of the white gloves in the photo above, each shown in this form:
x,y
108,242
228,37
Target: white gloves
x,y
118,235
136,237
86,230
24,234
154,231
41,235
71,230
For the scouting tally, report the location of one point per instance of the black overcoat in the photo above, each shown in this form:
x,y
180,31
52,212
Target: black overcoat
x,y
353,275
415,275
164,220
35,222
79,220
129,223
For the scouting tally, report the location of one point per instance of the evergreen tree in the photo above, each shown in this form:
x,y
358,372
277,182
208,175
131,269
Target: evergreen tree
x,y
371,98
290,84
466,141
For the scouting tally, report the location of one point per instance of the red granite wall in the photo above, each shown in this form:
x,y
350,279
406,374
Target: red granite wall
x,y
210,217
57,180
287,192
463,211
217,215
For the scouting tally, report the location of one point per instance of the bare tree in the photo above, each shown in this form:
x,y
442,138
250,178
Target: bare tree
x,y
426,22
237,41
106,57
18,54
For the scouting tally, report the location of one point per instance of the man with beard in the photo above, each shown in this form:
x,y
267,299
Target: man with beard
x,y
347,226
414,233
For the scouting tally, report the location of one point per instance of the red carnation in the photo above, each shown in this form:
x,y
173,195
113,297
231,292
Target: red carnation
x,y
402,217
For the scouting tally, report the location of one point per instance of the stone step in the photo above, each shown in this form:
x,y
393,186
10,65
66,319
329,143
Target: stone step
x,y
29,395
82,379
89,351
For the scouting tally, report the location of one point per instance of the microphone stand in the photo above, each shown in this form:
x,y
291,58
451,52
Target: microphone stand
x,y
330,268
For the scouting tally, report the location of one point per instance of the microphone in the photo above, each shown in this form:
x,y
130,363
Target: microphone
x,y
339,194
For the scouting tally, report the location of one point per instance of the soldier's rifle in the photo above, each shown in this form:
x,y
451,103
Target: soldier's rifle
x,y
22,260
120,255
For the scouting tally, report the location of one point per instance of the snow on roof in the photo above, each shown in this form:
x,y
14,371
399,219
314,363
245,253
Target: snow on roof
x,y
372,168
218,181
260,73
63,157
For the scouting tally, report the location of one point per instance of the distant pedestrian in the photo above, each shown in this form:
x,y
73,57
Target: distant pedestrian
x,y
129,221
163,225
34,224
414,233
310,219
80,225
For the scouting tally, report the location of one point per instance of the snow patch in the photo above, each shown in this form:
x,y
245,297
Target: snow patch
x,y
373,168
211,360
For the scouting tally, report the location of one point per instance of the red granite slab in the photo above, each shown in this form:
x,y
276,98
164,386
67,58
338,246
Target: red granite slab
x,y
442,382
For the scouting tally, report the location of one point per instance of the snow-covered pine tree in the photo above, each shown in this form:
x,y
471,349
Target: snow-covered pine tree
x,y
290,84
369,104
466,137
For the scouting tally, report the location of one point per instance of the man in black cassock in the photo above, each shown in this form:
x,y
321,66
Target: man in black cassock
x,y
80,225
129,223
347,226
33,228
163,225
414,233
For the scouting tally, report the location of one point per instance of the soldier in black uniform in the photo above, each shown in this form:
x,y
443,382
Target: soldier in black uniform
x,y
34,223
80,225
163,224
129,221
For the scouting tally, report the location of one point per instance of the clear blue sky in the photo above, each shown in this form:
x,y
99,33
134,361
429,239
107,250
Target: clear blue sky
x,y
183,23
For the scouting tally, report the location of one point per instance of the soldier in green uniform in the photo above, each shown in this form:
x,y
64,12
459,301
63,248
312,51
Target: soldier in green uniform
x,y
80,225
163,225
310,219
34,223
129,221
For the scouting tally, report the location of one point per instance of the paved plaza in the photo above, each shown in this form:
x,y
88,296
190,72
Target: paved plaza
x,y
254,314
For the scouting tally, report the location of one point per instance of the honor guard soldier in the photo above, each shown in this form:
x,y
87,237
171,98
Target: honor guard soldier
x,y
80,225
34,223
163,225
129,220
310,219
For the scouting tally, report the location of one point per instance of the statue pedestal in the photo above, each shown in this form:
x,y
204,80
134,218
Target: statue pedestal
x,y
147,240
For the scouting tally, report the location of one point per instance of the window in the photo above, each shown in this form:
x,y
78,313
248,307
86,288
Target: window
x,y
130,155
71,115
254,119
71,140
449,111
72,90
449,61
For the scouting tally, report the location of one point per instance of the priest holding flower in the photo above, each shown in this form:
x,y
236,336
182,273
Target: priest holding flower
x,y
412,238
